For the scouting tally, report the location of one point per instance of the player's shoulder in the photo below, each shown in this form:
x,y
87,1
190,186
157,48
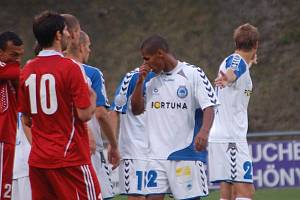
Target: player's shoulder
x,y
92,71
131,75
69,62
233,60
191,68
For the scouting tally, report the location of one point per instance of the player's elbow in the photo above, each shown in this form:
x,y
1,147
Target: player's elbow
x,y
85,114
101,113
137,110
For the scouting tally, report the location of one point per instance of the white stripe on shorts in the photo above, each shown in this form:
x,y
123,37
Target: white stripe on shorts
x,y
90,189
91,181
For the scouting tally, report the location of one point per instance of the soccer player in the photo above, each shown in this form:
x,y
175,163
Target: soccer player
x,y
133,140
72,51
179,103
74,29
11,50
229,159
54,97
21,184
100,119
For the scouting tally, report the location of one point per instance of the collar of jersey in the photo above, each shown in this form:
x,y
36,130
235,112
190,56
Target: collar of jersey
x,y
50,53
178,66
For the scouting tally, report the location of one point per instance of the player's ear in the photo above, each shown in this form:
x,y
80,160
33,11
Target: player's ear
x,y
81,46
58,35
160,53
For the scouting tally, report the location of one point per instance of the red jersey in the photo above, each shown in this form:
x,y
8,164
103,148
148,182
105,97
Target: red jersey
x,y
9,75
51,88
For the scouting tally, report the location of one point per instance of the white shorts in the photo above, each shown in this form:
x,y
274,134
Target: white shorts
x,y
184,179
131,176
229,162
103,171
21,189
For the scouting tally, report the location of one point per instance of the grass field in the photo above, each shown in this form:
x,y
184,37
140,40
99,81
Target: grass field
x,y
266,194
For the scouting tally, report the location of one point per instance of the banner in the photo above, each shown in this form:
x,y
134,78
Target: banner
x,y
276,163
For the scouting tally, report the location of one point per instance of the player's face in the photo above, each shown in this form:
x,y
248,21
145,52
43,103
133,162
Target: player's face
x,y
65,39
75,35
154,61
12,53
85,48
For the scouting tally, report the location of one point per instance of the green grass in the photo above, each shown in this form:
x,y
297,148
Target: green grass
x,y
262,194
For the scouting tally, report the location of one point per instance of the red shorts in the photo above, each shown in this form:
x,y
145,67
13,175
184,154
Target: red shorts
x,y
69,183
7,152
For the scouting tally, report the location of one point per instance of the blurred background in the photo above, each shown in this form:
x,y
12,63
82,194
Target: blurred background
x,y
198,31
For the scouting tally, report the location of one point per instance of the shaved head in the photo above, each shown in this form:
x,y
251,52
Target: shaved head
x,y
153,43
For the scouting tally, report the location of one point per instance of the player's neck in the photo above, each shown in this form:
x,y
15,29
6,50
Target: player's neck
x,y
73,57
171,63
55,47
246,55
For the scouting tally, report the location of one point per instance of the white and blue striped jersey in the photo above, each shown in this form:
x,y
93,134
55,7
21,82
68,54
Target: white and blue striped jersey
x,y
22,150
174,104
95,77
133,141
231,118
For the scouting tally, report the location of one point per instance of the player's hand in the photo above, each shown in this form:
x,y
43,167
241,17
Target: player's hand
x,y
144,70
201,140
222,80
253,61
113,156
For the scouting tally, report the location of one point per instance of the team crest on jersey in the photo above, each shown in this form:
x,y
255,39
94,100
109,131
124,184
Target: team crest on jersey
x,y
120,100
182,91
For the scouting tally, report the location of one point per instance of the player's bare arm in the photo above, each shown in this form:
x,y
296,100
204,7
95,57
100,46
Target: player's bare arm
x,y
225,79
137,100
87,113
92,141
201,138
103,117
27,131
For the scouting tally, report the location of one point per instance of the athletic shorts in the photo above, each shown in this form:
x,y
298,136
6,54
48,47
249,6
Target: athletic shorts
x,y
69,183
7,152
21,189
103,172
230,162
184,179
131,176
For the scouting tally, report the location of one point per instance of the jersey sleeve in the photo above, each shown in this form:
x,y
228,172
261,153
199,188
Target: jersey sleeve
x,y
78,87
98,85
203,90
9,71
23,104
124,91
237,65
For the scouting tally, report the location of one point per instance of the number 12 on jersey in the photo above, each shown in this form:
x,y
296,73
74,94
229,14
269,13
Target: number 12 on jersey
x,y
146,178
31,84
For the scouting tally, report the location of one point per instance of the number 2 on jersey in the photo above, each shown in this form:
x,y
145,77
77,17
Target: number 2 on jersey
x,y
31,84
149,179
